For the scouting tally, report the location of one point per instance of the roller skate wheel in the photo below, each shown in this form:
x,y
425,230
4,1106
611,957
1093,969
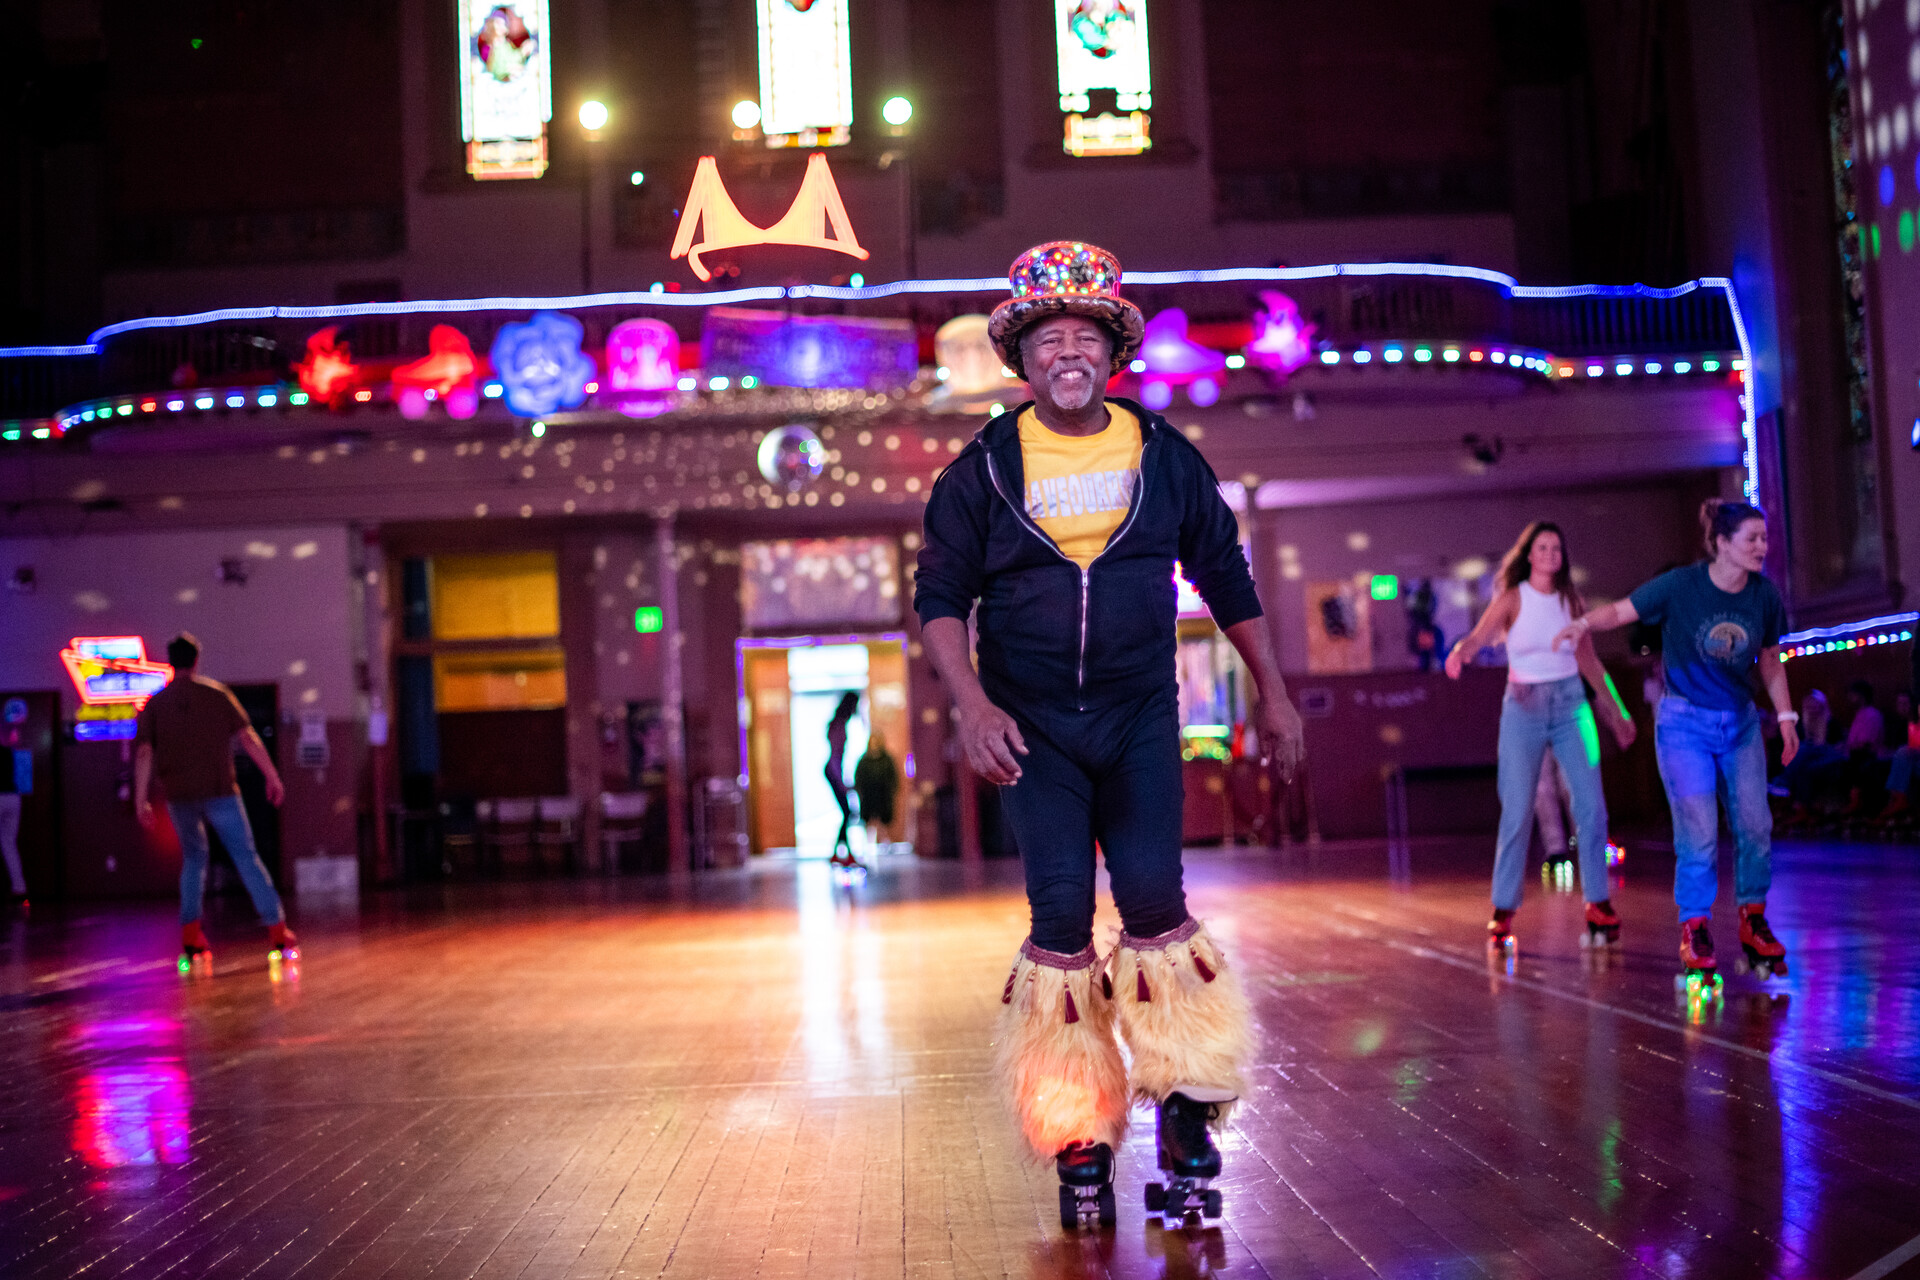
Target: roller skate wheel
x,y
1587,939
1069,1210
1109,1210
1156,1198
1211,1204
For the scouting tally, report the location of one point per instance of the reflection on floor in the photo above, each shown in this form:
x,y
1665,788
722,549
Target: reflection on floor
x,y
760,1074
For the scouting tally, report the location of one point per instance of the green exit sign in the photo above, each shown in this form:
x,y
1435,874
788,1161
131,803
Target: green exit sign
x,y
648,619
1386,586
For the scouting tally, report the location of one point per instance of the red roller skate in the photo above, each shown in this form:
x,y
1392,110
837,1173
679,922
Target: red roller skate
x,y
1500,929
1699,974
196,953
281,944
1761,952
1603,925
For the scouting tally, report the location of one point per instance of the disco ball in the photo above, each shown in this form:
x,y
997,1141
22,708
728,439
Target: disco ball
x,y
792,456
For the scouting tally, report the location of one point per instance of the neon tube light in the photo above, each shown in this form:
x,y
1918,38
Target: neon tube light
x,y
1850,628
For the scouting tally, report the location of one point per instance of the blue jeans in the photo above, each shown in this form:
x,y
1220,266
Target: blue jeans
x,y
1707,758
1900,773
226,815
1534,717
1109,775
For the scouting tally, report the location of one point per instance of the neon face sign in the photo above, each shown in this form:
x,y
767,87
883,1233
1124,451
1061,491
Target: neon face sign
x,y
816,210
643,368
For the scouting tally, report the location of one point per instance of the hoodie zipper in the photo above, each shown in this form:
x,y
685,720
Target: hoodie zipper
x,y
1086,574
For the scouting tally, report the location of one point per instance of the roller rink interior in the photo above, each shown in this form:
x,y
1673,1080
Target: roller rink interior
x,y
759,1073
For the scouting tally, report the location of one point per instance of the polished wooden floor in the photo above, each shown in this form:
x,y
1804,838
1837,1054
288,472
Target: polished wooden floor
x,y
760,1075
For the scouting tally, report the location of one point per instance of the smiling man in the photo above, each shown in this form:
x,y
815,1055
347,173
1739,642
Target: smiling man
x,y
1063,520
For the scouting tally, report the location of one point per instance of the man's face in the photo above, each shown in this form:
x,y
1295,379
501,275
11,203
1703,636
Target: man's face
x,y
1067,360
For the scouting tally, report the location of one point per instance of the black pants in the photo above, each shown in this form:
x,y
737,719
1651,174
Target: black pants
x,y
1112,775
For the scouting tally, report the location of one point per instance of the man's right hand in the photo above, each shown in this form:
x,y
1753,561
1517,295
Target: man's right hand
x,y
991,739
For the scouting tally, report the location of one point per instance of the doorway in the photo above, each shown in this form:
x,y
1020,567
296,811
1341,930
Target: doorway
x,y
790,689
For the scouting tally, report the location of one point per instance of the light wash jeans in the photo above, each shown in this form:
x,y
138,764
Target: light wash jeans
x,y
228,817
1534,718
1708,758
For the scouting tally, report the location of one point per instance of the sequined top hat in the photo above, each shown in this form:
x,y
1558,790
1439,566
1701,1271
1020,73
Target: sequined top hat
x,y
1065,278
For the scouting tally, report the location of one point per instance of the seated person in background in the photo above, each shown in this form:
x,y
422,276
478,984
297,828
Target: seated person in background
x,y
1904,772
1817,762
1865,770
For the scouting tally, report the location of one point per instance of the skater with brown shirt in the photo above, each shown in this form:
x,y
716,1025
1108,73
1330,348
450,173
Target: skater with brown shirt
x,y
186,737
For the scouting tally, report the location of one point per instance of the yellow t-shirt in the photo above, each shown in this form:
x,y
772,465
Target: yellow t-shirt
x,y
1079,488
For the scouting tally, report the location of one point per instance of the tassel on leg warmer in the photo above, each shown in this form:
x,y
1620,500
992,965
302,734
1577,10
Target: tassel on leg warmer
x,y
1055,1054
1183,1013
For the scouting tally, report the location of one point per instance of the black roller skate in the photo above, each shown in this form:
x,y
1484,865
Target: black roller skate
x,y
1086,1184
1500,929
1603,925
1187,1154
1762,953
1699,974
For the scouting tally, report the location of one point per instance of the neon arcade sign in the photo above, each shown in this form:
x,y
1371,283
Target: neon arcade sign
x,y
114,679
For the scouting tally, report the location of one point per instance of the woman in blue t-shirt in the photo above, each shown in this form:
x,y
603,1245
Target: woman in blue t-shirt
x,y
1716,618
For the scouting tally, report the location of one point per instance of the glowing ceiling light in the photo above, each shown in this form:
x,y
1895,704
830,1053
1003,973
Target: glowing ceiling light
x,y
896,111
1623,369
1683,366
746,114
1329,357
1362,356
636,177
1653,366
593,116
1451,355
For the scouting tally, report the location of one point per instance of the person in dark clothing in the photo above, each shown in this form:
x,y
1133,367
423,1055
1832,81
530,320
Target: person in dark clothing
x,y
876,780
1060,524
837,776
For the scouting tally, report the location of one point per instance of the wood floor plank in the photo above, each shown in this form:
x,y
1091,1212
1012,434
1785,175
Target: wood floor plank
x,y
759,1075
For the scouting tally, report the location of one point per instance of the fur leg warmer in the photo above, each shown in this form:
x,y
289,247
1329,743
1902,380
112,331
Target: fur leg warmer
x,y
1183,1012
1055,1054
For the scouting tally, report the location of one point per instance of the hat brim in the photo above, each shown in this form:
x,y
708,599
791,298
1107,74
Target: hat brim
x,y
1011,318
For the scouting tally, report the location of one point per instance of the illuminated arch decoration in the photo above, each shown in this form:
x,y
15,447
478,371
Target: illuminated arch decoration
x,y
816,220
643,368
1101,46
445,375
328,372
806,73
506,87
540,364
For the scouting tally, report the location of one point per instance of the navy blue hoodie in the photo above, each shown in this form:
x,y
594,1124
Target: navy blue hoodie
x,y
1050,632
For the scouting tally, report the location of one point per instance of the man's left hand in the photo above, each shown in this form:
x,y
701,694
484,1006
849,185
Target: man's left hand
x,y
1282,740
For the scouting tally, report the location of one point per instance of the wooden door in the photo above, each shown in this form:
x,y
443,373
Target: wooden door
x,y
769,749
888,715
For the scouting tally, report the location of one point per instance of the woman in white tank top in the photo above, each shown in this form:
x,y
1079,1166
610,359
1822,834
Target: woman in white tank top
x,y
1546,708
